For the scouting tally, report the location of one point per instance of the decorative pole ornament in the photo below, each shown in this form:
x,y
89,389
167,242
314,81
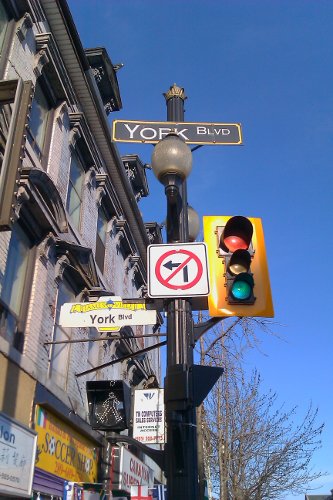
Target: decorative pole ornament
x,y
175,91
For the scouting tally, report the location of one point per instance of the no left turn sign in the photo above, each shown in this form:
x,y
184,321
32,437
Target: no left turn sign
x,y
177,270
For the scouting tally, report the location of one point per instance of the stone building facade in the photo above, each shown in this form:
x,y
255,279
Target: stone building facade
x,y
71,231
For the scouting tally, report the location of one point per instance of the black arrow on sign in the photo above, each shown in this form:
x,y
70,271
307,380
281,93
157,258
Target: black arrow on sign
x,y
170,265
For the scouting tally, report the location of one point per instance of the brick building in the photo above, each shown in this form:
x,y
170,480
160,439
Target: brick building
x,y
71,231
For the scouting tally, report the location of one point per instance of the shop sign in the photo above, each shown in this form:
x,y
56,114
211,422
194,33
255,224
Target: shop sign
x,y
62,451
74,491
128,470
148,417
17,454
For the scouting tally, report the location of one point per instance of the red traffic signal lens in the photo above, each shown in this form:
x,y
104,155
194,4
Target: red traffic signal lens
x,y
237,234
242,287
240,262
234,243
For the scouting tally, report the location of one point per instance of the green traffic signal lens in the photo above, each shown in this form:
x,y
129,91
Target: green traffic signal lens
x,y
241,290
242,287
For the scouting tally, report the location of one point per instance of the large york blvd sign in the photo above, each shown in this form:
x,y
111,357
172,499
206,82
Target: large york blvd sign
x,y
191,133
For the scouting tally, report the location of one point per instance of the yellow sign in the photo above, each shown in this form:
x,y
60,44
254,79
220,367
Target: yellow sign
x,y
62,451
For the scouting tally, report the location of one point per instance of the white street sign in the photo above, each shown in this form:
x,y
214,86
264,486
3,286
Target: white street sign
x,y
148,416
177,270
17,457
107,314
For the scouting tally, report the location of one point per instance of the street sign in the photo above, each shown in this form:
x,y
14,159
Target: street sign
x,y
177,270
107,314
148,416
191,133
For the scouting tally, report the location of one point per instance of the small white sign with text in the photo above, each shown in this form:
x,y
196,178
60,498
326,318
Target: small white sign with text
x,y
148,418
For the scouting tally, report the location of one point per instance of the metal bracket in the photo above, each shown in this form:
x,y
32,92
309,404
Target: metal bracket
x,y
158,456
204,326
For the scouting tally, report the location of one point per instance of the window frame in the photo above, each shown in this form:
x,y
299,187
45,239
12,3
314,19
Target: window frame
x,y
94,352
100,248
75,153
42,150
7,37
66,334
19,317
16,93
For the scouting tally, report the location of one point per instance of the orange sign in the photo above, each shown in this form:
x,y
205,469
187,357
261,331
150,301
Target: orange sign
x,y
62,451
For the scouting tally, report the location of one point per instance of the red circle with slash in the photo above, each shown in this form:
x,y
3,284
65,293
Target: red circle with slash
x,y
190,256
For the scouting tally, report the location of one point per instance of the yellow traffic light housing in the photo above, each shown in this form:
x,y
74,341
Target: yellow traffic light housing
x,y
238,271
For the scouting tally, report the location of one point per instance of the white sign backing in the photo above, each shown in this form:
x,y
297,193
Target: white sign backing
x,y
106,314
17,457
148,417
177,270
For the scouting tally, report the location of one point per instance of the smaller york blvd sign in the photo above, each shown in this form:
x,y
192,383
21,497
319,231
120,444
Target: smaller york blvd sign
x,y
191,133
107,314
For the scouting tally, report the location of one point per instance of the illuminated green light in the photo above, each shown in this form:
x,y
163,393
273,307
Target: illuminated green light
x,y
241,288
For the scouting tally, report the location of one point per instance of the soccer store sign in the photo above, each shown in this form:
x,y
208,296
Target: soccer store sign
x,y
62,451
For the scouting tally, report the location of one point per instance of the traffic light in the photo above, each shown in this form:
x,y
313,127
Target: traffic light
x,y
238,272
109,404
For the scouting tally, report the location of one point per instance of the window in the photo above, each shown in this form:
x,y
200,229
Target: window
x,y
102,223
15,286
93,353
3,26
60,353
14,106
6,25
75,190
38,122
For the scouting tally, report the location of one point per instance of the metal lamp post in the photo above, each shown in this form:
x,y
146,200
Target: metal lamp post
x,y
172,163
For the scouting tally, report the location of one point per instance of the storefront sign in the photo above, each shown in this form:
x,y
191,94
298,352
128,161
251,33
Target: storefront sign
x,y
62,451
128,470
17,456
74,491
148,416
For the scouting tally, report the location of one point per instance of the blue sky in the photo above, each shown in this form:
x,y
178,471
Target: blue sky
x,y
267,64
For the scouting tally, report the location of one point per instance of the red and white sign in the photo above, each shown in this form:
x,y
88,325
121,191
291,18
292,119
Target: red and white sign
x,y
140,493
177,270
127,471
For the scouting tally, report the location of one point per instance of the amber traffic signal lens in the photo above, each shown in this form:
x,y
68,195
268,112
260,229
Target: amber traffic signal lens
x,y
240,262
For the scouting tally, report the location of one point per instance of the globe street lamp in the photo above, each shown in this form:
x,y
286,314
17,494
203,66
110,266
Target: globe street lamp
x,y
171,164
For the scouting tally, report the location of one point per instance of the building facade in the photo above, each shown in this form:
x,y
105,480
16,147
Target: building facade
x,y
71,231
